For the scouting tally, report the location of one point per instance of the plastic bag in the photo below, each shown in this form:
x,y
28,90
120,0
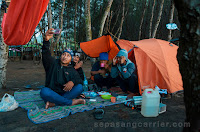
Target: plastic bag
x,y
8,103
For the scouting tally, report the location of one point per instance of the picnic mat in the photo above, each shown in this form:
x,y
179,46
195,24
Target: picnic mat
x,y
33,103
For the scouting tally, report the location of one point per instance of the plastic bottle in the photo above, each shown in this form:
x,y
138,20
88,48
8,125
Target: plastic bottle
x,y
85,84
150,103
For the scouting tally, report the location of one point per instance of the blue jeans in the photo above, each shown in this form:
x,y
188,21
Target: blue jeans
x,y
65,98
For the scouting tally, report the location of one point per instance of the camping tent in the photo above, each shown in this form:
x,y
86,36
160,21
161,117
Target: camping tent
x,y
156,63
155,60
103,44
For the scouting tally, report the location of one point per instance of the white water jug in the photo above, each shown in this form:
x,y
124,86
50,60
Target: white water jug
x,y
150,103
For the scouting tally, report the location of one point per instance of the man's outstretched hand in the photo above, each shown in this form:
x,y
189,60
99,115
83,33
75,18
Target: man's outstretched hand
x,y
49,34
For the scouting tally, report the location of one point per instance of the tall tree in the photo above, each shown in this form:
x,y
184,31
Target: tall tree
x,y
49,15
88,26
122,20
189,59
54,45
158,19
105,16
142,19
76,2
88,21
3,56
50,18
171,19
151,19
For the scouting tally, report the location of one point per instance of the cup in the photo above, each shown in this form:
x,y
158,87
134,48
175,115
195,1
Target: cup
x,y
113,99
102,65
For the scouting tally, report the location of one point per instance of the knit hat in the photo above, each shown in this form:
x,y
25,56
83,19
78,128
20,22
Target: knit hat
x,y
70,52
77,54
103,56
124,53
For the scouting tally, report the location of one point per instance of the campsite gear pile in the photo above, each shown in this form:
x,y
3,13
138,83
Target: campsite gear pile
x,y
150,103
8,103
135,103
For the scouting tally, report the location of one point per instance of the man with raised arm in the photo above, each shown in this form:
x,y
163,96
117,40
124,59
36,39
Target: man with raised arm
x,y
63,83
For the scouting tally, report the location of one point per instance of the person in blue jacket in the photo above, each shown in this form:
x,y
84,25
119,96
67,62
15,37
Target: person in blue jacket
x,y
63,83
124,72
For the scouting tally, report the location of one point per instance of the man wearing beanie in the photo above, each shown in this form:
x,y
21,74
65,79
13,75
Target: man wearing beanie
x,y
63,83
101,72
123,70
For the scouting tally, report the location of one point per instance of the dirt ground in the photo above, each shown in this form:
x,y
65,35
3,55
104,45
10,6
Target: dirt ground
x,y
116,118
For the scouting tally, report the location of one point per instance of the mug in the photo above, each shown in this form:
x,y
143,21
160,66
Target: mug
x,y
102,65
113,99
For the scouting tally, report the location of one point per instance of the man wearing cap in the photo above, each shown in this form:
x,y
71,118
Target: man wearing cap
x,y
101,72
63,83
77,63
123,70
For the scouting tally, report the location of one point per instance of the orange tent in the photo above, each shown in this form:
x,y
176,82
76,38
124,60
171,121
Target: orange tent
x,y
21,20
156,63
103,44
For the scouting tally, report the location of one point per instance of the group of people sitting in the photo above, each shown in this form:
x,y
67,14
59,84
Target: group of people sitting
x,y
64,76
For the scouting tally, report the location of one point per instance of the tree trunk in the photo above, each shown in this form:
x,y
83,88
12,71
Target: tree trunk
x,y
88,21
60,26
35,39
49,15
142,19
171,19
106,28
75,23
117,12
3,57
104,17
122,20
68,25
151,19
88,26
158,19
43,34
189,59
50,20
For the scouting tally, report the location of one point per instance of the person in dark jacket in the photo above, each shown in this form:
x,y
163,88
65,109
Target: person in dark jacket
x,y
63,83
101,72
77,63
123,70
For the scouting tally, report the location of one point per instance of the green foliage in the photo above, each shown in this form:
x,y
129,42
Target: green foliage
x,y
134,9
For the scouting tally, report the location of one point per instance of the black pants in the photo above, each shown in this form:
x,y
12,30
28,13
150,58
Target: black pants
x,y
129,84
101,81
